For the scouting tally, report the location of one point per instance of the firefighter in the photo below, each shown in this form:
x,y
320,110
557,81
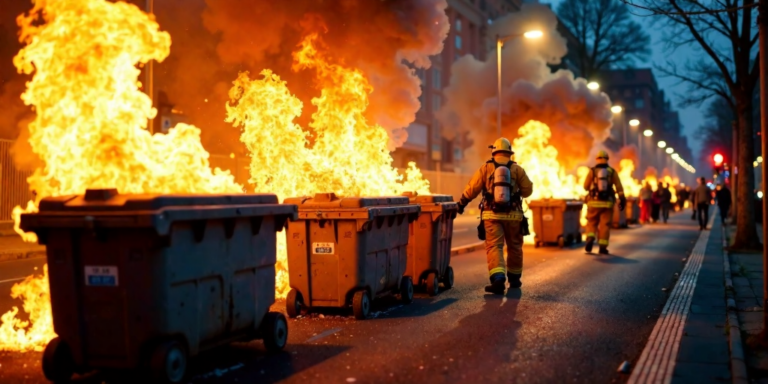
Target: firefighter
x,y
600,184
503,184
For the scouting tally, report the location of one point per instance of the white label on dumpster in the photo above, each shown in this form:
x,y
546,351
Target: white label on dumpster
x,y
101,276
323,248
547,217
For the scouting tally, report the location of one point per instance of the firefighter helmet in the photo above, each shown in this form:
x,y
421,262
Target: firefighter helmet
x,y
502,145
602,155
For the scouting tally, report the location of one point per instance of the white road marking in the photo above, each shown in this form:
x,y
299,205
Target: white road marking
x,y
12,280
322,335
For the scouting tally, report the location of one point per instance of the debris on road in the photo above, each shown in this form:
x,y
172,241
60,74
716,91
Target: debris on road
x,y
625,367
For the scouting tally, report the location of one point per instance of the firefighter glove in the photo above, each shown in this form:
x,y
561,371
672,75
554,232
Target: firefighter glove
x,y
622,202
461,208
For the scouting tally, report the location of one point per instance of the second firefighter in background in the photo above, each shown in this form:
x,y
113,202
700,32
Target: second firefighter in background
x,y
503,184
603,184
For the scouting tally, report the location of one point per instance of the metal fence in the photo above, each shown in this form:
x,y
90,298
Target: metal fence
x,y
14,189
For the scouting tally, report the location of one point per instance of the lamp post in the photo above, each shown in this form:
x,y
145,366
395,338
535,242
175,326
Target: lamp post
x,y
149,74
636,123
617,110
534,34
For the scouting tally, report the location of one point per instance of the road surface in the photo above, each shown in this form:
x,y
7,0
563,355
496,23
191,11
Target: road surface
x,y
576,319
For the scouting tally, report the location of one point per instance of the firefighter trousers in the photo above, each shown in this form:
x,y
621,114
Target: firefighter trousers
x,y
496,233
599,220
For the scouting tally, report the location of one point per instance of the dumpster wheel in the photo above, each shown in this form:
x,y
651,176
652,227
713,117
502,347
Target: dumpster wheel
x,y
448,278
274,330
58,364
432,284
361,304
406,290
294,303
168,363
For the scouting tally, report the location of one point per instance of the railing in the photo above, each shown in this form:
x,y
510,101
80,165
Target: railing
x,y
14,189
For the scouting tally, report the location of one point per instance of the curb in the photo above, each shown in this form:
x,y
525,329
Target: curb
x,y
467,248
738,361
22,255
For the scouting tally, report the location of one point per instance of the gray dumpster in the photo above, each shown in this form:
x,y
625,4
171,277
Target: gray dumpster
x,y
154,279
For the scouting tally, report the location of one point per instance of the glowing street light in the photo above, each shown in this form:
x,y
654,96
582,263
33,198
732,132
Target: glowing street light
x,y
670,150
616,109
662,144
593,85
534,34
647,133
634,122
676,156
759,159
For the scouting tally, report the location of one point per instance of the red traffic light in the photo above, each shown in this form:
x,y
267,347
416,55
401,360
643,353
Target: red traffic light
x,y
718,159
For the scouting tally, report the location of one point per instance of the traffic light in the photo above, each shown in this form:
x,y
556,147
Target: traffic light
x,y
718,158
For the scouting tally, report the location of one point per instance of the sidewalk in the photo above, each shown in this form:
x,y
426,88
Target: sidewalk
x,y
690,341
747,275
13,248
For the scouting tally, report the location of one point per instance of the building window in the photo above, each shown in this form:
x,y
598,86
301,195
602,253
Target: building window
x,y
458,42
458,25
436,79
436,103
639,103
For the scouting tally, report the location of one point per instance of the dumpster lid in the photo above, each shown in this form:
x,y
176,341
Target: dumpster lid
x,y
330,200
110,200
426,199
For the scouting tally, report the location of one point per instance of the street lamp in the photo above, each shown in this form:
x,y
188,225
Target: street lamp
x,y
593,85
662,144
670,150
533,34
616,109
634,122
647,133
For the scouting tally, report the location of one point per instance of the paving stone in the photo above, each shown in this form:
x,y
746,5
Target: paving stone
x,y
701,373
741,282
751,321
703,349
708,309
705,325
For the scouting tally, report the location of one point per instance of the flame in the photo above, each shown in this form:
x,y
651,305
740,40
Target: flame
x,y
34,334
349,155
90,125
631,186
539,159
90,130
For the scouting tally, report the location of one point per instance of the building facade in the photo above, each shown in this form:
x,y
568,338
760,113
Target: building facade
x,y
638,93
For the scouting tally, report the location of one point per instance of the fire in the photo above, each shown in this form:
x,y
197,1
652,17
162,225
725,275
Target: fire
x,y
539,159
631,186
90,125
34,334
349,155
90,130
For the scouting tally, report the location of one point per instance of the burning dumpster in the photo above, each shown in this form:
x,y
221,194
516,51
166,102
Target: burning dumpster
x,y
348,251
556,221
155,279
429,246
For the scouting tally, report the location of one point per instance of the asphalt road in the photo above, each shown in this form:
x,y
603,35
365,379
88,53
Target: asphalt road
x,y
576,319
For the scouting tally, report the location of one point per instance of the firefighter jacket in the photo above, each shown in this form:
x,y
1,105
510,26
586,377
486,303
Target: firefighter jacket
x,y
614,184
482,182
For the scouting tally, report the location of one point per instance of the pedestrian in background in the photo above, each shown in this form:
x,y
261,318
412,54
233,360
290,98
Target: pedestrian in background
x,y
682,196
723,197
701,198
656,207
646,200
666,201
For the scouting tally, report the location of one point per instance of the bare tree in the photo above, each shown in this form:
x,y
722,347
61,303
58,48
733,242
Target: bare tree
x,y
716,133
608,37
725,33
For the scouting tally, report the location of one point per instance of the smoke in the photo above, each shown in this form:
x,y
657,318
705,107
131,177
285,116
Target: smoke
x,y
578,117
213,40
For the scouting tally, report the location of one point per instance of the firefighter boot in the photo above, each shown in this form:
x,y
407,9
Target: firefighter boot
x,y
514,280
590,243
498,284
604,250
